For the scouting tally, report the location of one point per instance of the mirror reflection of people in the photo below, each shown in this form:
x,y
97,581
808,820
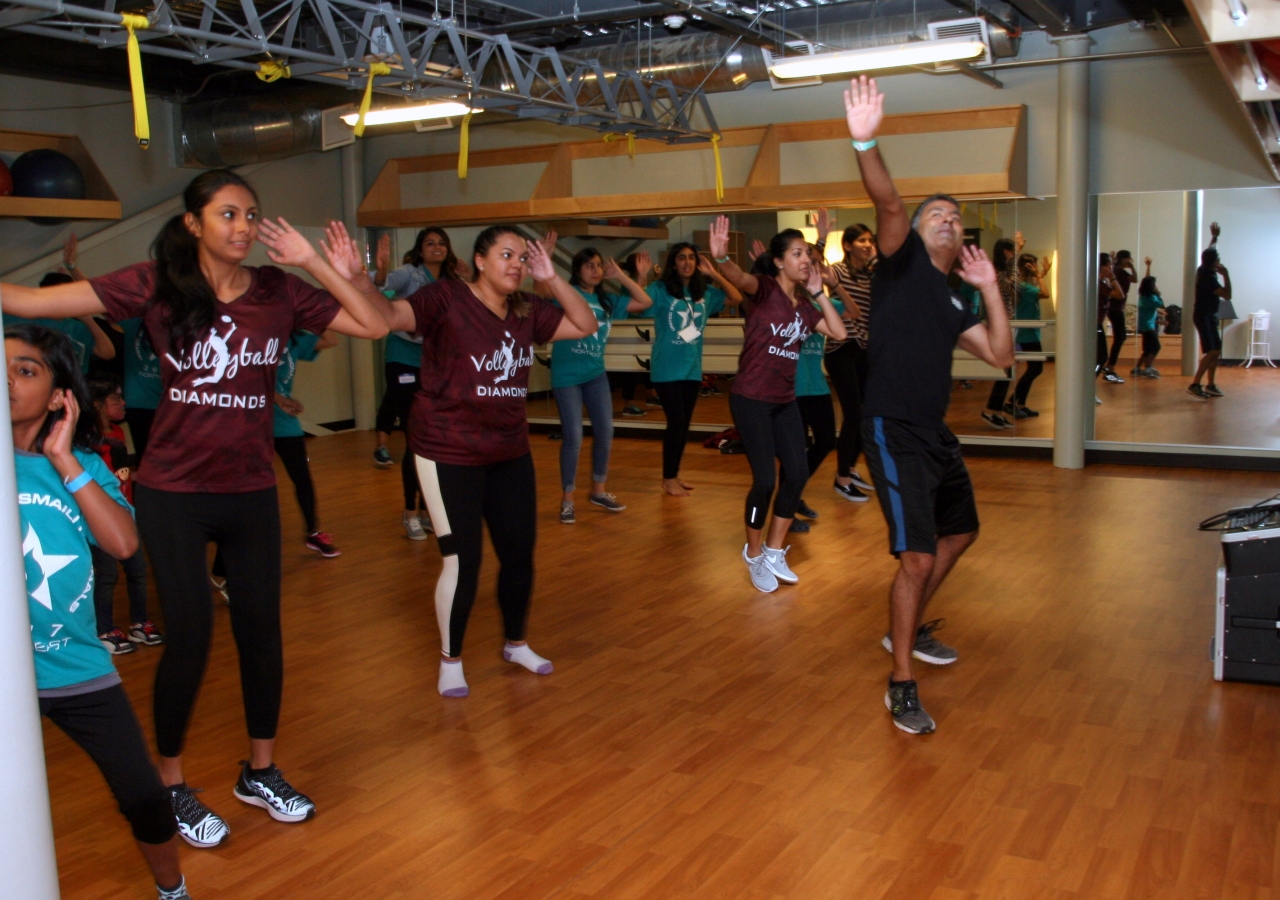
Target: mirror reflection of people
x,y
1108,291
1031,290
1003,257
1210,292
1150,312
1124,274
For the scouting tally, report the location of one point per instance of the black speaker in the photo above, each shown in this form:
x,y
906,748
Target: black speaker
x,y
1247,645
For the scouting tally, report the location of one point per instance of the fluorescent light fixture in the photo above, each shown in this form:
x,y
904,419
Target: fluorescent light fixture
x,y
912,53
410,113
1239,12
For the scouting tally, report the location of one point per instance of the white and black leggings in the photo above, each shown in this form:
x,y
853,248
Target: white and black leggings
x,y
460,500
771,431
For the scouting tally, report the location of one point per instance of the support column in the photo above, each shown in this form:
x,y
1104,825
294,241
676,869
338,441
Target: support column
x,y
1073,357
1192,228
364,396
26,827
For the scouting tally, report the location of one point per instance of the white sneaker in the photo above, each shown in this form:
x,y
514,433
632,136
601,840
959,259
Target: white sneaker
x,y
761,575
413,528
777,560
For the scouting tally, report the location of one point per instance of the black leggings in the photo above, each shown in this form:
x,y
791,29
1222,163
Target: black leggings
x,y
393,413
1118,334
460,499
771,431
293,453
1034,368
139,422
847,366
1100,354
999,391
818,415
104,725
106,575
678,399
177,529
626,383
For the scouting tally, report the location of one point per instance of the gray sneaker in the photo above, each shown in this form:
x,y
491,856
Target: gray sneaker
x,y
761,575
777,562
928,648
903,702
608,501
566,514
414,530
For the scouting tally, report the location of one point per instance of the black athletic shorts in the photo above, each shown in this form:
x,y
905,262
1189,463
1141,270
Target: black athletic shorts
x,y
1207,328
1150,343
921,482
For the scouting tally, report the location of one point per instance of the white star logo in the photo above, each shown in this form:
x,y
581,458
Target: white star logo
x,y
48,566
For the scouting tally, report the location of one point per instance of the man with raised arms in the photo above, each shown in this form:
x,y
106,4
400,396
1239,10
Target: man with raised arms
x,y
916,322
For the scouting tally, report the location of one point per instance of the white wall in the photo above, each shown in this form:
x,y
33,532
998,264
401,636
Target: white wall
x,y
1250,223
1146,225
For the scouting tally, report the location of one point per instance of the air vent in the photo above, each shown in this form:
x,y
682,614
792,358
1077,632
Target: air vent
x,y
333,131
781,83
957,28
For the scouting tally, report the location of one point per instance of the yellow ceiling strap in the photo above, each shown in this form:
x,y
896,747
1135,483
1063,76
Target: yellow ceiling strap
x,y
272,70
612,136
464,144
141,124
374,69
715,148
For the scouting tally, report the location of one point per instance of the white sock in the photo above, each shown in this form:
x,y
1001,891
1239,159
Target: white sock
x,y
527,658
452,682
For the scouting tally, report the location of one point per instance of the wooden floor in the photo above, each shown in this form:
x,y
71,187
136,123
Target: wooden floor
x,y
701,740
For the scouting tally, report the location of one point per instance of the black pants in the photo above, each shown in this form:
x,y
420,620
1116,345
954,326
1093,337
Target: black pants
x,y
393,413
1118,334
106,575
177,529
847,367
1150,344
139,422
1100,354
771,431
103,724
818,416
626,383
1034,368
999,391
678,399
460,500
293,453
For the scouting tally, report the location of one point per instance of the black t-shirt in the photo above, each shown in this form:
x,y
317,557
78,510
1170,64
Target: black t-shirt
x,y
915,323
1124,280
1207,285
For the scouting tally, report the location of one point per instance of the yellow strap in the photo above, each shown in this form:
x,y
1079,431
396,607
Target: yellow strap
x,y
612,136
272,70
374,69
715,148
141,124
464,144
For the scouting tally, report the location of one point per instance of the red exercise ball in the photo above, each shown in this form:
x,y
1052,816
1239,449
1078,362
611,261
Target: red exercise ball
x,y
6,180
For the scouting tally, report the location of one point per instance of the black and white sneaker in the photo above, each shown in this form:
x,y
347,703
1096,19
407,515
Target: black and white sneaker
x,y
177,893
269,790
806,510
199,825
850,493
382,459
995,420
1111,376
861,483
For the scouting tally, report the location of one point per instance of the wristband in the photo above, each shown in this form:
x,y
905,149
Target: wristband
x,y
721,260
78,482
863,146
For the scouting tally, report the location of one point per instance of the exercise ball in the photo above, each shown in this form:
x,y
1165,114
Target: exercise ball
x,y
6,180
48,174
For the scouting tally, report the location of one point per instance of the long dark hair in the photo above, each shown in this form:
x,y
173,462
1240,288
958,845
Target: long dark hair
x,y
484,243
448,268
59,355
1003,254
182,291
671,278
851,234
580,259
1147,287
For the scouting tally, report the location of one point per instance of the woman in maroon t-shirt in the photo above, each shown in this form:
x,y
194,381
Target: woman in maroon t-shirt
x,y
219,327
780,317
468,428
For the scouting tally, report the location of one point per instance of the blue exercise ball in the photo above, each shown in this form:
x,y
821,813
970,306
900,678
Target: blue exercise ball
x,y
48,174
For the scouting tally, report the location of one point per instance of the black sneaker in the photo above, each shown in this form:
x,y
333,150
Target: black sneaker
x,y
850,493
320,542
799,526
199,825
805,510
269,790
145,633
116,642
1198,392
903,702
382,459
633,411
1108,375
927,647
653,401
861,483
995,420
1212,390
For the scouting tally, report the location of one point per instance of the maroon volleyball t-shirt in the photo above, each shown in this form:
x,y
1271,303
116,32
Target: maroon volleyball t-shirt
x,y
772,338
212,430
470,409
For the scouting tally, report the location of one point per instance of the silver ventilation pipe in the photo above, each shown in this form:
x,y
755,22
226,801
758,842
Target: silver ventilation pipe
x,y
252,130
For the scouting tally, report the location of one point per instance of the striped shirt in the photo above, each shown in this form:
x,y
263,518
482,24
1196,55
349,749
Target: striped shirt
x,y
857,284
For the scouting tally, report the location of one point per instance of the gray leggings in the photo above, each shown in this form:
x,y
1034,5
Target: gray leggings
x,y
598,398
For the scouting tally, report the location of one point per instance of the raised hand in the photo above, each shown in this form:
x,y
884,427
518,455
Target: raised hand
x,y
975,268
829,276
644,265
1018,241
342,252
548,241
1146,261
285,246
704,265
612,269
540,266
57,444
719,239
383,259
823,222
69,252
1215,230
863,108
758,249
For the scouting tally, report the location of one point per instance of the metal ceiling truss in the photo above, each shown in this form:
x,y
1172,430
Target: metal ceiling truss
x,y
332,41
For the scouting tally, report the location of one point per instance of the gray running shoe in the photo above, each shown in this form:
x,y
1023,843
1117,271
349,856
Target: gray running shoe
x,y
928,648
903,703
761,575
1152,372
413,527
607,501
566,514
777,560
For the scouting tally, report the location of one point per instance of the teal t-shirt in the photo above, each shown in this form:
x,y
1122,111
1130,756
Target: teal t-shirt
x,y
1028,308
403,351
59,571
301,348
972,296
674,358
81,336
580,361
402,347
1147,306
142,385
811,381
